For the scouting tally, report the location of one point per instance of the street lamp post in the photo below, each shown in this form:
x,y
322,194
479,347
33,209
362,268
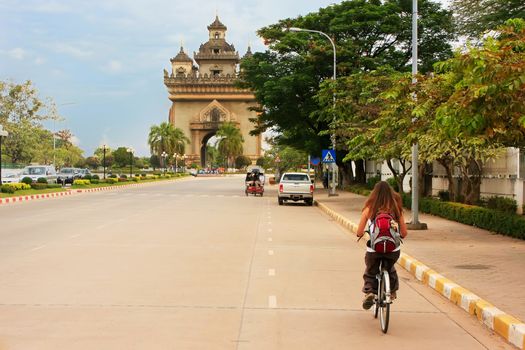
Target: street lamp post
x,y
176,156
184,156
334,77
164,155
104,148
3,133
415,224
131,151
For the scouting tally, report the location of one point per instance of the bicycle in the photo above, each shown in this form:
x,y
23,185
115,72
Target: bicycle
x,y
383,297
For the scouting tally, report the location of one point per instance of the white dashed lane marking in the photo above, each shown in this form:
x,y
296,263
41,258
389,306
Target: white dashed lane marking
x,y
271,272
272,301
270,239
270,252
38,248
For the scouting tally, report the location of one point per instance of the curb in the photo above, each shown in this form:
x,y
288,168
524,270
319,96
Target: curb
x,y
11,200
507,326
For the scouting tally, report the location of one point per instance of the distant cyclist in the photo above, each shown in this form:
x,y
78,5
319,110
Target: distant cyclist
x,y
382,217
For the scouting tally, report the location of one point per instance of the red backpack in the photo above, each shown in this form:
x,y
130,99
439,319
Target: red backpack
x,y
384,233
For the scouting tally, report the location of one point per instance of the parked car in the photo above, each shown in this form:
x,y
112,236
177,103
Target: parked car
x,y
296,187
68,175
37,171
83,172
11,178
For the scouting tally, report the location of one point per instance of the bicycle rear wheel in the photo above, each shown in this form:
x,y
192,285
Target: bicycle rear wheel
x,y
384,306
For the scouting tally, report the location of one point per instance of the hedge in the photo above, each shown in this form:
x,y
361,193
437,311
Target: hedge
x,y
493,220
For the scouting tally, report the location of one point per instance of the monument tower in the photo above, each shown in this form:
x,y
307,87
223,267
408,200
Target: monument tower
x,y
204,96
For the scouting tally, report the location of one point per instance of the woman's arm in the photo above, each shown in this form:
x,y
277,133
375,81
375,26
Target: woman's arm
x,y
362,223
402,226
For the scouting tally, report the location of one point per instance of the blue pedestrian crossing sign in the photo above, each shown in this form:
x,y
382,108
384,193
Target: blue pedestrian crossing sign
x,y
328,156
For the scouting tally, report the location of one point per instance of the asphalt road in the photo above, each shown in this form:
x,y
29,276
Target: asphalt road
x,y
195,264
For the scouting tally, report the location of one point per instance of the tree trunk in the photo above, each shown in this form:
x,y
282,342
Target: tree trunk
x,y
360,173
395,174
425,179
449,169
473,173
346,174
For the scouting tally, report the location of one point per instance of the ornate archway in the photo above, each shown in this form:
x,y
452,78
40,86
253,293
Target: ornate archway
x,y
206,96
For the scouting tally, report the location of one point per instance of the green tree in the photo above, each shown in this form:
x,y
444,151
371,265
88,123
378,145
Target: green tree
x,y
231,142
121,157
242,162
21,114
475,17
167,138
93,162
367,34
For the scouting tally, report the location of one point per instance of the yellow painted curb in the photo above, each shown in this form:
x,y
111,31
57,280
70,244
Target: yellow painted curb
x,y
509,327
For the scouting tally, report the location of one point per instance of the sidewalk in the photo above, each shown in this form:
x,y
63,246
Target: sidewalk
x,y
485,263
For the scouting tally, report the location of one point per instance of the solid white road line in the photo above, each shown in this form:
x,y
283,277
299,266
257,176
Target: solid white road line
x,y
38,248
270,252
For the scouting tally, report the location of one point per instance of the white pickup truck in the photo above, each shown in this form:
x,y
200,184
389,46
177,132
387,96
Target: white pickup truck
x,y
296,187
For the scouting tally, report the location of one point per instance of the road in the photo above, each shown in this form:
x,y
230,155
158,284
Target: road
x,y
195,264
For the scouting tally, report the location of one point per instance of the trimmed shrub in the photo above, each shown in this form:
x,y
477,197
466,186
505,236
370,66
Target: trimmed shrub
x,y
123,176
81,182
95,177
123,179
143,175
112,176
17,186
95,181
393,183
39,186
493,220
504,204
136,179
27,180
359,189
7,189
41,180
371,182
54,186
444,196
88,177
111,180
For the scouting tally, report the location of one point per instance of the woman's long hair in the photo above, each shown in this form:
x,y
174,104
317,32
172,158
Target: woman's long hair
x,y
384,199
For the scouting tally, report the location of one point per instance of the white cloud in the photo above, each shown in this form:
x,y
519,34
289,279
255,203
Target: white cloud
x,y
72,50
51,7
39,61
75,140
17,53
114,66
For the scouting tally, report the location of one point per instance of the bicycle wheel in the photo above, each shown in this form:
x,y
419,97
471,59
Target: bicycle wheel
x,y
384,306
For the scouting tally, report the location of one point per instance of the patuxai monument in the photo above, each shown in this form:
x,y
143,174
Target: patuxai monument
x,y
204,95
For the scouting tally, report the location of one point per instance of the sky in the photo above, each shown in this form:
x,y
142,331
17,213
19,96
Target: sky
x,y
102,61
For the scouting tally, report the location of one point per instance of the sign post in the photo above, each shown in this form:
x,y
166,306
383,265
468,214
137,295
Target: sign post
x,y
328,157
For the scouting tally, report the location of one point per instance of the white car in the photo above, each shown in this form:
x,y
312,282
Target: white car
x,y
10,178
37,171
296,187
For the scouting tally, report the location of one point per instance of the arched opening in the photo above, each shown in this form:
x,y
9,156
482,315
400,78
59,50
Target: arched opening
x,y
210,157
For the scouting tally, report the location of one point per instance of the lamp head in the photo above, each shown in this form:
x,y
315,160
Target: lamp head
x,y
295,29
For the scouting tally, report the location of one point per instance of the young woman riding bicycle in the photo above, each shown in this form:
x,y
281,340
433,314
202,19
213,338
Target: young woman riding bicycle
x,y
382,200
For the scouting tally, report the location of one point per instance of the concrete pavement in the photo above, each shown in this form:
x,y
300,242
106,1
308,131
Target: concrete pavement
x,y
487,264
199,265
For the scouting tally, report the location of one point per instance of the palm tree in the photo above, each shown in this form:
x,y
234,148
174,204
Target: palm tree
x,y
166,138
230,143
